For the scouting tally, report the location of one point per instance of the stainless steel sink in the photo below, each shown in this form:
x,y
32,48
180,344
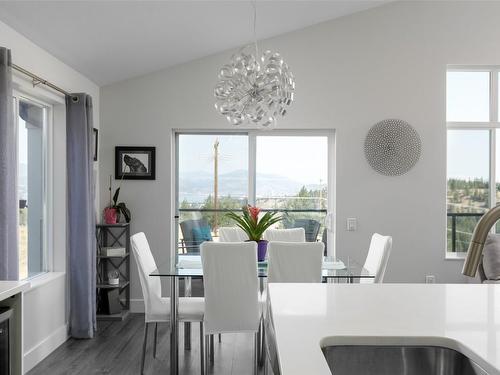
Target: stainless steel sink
x,y
398,360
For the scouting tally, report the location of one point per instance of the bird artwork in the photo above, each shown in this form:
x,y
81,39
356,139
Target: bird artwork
x,y
135,165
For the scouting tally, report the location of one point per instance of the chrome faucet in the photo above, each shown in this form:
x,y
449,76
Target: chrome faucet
x,y
476,245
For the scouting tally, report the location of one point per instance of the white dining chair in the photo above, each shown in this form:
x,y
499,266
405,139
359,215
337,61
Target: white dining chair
x,y
157,308
291,262
377,258
229,234
231,290
295,262
232,234
285,235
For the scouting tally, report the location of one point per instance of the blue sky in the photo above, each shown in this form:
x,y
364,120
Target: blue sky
x,y
468,101
468,154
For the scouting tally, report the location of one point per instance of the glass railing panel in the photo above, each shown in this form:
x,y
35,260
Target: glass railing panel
x,y
199,225
460,227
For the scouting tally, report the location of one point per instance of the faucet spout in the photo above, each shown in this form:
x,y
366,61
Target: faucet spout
x,y
475,251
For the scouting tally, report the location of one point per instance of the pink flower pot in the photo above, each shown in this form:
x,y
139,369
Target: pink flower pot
x,y
110,215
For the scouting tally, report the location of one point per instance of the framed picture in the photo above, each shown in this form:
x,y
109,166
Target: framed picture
x,y
135,163
96,142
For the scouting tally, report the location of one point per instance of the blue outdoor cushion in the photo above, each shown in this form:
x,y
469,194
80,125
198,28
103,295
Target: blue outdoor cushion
x,y
202,234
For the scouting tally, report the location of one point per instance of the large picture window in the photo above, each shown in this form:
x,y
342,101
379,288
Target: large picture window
x,y
277,171
473,178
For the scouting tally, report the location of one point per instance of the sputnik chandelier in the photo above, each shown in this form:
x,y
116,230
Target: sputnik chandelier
x,y
254,91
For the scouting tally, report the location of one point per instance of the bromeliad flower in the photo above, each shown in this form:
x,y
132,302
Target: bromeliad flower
x,y
251,224
254,212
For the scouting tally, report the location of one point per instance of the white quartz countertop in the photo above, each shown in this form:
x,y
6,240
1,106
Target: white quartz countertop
x,y
463,317
10,288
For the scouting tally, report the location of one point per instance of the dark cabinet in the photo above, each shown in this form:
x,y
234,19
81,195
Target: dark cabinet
x,y
5,341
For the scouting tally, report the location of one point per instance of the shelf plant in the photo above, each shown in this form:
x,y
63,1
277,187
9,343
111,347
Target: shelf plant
x,y
115,209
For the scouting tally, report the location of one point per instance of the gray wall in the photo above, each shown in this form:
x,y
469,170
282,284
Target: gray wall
x,y
388,62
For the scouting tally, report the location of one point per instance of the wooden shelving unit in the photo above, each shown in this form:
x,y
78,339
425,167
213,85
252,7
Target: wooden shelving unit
x,y
113,235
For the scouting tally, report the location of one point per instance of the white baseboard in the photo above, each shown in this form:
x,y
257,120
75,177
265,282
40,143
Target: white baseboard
x,y
136,305
36,354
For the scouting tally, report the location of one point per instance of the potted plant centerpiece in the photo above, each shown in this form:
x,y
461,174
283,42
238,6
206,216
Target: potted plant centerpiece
x,y
255,227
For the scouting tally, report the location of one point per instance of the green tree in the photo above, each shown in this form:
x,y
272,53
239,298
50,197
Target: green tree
x,y
219,219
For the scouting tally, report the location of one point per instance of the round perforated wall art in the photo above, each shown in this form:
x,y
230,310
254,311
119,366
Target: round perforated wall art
x,y
392,147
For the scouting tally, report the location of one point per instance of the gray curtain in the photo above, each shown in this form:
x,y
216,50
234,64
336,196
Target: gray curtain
x,y
9,206
81,216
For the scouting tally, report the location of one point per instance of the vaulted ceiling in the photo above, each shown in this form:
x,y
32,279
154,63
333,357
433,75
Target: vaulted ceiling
x,y
110,41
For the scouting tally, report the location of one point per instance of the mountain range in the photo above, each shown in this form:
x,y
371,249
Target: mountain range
x,y
196,186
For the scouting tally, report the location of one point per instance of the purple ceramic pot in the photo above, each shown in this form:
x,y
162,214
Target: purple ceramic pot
x,y
261,250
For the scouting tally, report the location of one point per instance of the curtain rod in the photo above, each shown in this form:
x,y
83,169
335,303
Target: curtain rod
x,y
38,80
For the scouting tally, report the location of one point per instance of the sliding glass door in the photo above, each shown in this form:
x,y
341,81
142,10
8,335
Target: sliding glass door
x,y
289,172
212,179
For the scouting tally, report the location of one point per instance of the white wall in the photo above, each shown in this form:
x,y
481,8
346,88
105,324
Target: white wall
x,y
388,62
45,314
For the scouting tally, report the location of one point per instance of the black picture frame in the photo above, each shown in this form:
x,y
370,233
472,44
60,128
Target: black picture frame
x,y
95,133
143,161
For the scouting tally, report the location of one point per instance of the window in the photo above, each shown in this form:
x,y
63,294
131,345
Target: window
x,y
277,171
473,181
32,145
292,175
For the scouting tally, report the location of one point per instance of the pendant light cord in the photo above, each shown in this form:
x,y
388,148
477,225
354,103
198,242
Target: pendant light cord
x,y
254,4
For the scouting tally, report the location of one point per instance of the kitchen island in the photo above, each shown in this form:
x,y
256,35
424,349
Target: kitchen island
x,y
308,317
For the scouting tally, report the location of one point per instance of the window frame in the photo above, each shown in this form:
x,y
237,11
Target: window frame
x,y
47,184
492,125
252,135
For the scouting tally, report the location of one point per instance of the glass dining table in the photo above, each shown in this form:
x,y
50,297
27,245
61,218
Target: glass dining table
x,y
189,267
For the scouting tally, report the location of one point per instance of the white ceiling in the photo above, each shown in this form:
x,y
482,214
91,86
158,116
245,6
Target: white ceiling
x,y
109,41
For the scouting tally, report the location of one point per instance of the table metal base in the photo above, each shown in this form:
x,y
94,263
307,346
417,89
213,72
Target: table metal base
x,y
174,326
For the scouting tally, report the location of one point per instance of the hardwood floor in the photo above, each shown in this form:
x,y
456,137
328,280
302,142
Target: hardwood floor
x,y
117,350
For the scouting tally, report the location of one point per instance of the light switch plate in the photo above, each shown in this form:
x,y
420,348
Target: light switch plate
x,y
351,224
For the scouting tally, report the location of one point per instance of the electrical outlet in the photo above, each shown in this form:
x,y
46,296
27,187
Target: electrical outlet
x,y
430,279
351,224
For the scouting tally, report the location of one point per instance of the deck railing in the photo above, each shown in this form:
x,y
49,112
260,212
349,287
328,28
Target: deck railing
x,y
215,218
460,228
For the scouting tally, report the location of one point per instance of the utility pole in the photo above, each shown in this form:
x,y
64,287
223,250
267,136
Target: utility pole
x,y
216,184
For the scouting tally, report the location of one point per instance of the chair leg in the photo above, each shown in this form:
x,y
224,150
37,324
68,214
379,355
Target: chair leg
x,y
187,336
262,348
144,347
255,353
207,344
202,350
259,335
264,355
259,340
220,338
156,340
212,348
